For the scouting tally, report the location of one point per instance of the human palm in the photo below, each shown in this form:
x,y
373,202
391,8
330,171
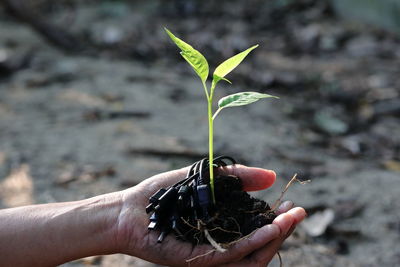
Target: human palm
x,y
256,250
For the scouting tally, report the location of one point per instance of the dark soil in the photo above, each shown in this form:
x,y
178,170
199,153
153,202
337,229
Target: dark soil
x,y
237,213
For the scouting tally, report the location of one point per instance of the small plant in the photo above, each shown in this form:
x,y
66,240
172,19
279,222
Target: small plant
x,y
199,208
200,65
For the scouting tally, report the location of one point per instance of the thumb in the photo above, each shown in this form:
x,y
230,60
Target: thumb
x,y
253,179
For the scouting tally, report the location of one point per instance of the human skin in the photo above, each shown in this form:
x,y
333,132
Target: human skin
x,y
52,234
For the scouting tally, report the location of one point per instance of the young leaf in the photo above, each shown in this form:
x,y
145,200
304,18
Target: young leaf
x,y
230,64
192,56
241,99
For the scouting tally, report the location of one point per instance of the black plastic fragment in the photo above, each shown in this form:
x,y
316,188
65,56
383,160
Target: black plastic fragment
x,y
153,201
185,202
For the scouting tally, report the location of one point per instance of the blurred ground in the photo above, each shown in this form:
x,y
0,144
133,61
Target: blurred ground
x,y
74,124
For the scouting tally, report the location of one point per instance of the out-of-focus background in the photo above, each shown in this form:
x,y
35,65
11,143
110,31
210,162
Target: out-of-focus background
x,y
94,98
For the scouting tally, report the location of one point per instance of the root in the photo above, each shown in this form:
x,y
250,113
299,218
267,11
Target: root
x,y
278,202
237,224
226,231
199,256
213,242
190,225
280,259
201,228
238,240
223,247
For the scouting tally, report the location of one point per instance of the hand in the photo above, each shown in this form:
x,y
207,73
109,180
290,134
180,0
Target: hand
x,y
256,250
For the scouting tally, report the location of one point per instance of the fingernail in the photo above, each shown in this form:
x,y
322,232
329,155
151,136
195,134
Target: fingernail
x,y
298,214
285,206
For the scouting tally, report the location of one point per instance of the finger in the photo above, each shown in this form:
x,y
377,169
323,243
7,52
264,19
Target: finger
x,y
264,255
284,221
284,207
244,247
287,223
248,262
253,179
298,214
260,238
291,230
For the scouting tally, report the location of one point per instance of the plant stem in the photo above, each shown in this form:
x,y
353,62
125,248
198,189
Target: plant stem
x,y
206,91
211,147
211,139
210,135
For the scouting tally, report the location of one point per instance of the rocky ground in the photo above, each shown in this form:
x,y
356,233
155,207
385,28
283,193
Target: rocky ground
x,y
78,124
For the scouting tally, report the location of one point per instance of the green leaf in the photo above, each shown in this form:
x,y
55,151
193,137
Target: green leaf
x,y
241,99
217,79
192,56
230,64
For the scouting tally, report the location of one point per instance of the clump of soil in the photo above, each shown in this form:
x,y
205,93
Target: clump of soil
x,y
236,214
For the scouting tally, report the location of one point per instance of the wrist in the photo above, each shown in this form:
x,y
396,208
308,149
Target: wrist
x,y
62,231
124,230
107,211
93,224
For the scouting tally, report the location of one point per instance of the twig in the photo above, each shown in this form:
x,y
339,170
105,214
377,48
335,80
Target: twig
x,y
279,200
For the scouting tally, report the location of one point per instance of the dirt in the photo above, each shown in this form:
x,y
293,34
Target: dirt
x,y
64,120
236,214
237,211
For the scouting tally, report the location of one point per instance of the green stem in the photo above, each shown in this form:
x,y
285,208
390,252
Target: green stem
x,y
206,91
211,139
211,148
210,135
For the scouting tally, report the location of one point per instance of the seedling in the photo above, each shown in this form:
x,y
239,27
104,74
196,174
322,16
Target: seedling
x,y
190,208
200,65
